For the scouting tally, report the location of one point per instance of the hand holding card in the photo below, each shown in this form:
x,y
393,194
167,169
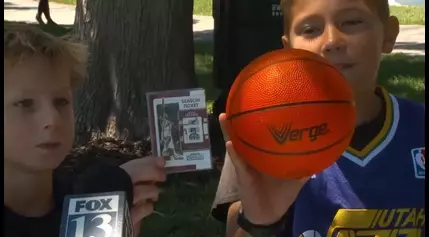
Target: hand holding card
x,y
179,129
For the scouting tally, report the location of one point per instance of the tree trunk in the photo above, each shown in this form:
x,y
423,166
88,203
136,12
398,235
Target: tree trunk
x,y
93,101
136,46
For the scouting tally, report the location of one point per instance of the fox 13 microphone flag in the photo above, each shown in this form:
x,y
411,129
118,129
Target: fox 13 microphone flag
x,y
96,215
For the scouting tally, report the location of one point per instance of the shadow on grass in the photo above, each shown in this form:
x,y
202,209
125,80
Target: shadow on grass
x,y
204,48
206,35
403,75
11,6
410,45
57,30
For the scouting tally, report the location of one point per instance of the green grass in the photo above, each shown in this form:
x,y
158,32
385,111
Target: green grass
x,y
203,7
54,30
404,76
409,15
184,206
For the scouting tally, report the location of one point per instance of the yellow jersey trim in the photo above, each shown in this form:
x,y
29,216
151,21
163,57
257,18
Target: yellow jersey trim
x,y
383,132
379,142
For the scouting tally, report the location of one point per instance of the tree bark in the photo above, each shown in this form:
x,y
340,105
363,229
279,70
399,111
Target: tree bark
x,y
93,100
135,46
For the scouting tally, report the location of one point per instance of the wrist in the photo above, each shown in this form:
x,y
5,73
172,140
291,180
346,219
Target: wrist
x,y
261,221
268,218
261,229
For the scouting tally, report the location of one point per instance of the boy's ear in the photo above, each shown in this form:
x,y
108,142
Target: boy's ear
x,y
285,42
391,32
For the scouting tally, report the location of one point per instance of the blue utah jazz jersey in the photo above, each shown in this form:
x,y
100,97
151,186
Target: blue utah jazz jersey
x,y
378,191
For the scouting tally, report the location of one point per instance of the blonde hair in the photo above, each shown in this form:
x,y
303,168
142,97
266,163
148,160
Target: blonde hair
x,y
381,7
22,41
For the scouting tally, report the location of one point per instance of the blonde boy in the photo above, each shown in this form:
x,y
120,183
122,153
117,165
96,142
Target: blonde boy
x,y
41,72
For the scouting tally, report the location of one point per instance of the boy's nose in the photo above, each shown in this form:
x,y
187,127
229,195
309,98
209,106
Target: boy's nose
x,y
50,117
334,41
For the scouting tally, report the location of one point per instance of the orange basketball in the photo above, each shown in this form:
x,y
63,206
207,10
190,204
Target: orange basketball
x,y
290,114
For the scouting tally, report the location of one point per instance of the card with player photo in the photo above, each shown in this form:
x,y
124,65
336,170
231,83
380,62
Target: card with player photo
x,y
179,129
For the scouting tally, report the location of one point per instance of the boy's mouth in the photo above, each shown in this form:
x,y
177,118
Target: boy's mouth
x,y
49,145
343,66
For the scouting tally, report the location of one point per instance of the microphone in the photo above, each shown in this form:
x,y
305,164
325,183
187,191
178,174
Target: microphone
x,y
100,205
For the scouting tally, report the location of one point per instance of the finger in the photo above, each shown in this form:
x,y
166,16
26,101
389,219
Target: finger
x,y
150,174
140,211
146,169
223,126
145,192
236,160
158,161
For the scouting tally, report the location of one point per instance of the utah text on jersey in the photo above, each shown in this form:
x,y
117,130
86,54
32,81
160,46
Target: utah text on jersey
x,y
403,222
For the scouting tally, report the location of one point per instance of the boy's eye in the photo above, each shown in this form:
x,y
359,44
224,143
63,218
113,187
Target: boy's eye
x,y
26,103
308,30
351,22
60,102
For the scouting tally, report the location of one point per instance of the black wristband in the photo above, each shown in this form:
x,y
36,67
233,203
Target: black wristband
x,y
260,230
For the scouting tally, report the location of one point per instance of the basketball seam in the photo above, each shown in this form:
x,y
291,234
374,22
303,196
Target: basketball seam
x,y
282,61
295,153
290,59
289,105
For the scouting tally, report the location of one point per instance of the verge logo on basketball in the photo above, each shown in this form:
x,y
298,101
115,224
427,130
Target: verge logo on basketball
x,y
288,133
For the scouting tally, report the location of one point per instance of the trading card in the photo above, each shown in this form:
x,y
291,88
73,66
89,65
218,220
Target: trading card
x,y
179,129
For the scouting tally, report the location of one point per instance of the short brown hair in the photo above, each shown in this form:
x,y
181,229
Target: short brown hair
x,y
382,7
22,41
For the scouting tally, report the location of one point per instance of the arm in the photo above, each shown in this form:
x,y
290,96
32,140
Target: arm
x,y
232,228
226,204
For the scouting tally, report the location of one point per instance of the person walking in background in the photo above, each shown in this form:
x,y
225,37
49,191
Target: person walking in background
x,y
44,8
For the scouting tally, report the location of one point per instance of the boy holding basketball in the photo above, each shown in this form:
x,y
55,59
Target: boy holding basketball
x,y
377,187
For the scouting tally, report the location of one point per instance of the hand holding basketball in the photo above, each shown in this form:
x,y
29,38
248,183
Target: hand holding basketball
x,y
264,199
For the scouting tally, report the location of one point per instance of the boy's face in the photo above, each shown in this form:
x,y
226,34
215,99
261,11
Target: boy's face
x,y
38,115
349,33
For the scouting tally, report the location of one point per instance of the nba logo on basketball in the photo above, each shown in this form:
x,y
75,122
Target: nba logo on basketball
x,y
418,155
